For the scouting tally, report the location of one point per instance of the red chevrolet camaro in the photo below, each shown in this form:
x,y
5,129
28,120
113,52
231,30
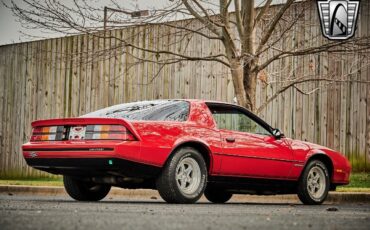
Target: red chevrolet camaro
x,y
182,148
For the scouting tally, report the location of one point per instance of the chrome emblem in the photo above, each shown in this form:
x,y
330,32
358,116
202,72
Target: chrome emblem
x,y
338,18
33,154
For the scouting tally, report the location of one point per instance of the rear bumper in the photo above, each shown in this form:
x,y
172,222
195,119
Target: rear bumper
x,y
82,149
89,158
94,167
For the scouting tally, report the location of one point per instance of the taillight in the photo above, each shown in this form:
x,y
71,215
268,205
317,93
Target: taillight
x,y
48,133
87,132
108,132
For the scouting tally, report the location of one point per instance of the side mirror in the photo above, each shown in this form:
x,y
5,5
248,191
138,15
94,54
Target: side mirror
x,y
277,134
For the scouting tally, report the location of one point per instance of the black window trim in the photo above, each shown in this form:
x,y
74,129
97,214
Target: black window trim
x,y
243,110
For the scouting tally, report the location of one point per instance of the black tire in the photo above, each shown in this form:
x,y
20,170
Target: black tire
x,y
217,196
85,191
304,185
167,184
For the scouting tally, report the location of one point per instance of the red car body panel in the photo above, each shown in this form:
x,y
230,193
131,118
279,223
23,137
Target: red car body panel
x,y
250,155
303,151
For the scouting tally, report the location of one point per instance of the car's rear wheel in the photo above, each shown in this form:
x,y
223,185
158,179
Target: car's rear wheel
x,y
184,177
217,196
85,191
313,187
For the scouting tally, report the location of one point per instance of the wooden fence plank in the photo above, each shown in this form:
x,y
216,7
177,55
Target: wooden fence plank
x,y
2,105
367,69
82,76
364,31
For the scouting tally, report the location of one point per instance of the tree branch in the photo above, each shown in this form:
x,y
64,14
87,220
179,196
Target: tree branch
x,y
282,33
189,30
239,22
183,56
247,41
262,12
283,89
273,23
310,50
209,24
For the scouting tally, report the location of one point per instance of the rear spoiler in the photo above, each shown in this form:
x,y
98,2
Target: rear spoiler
x,y
87,121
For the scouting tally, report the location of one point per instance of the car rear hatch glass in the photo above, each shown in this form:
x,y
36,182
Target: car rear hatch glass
x,y
157,110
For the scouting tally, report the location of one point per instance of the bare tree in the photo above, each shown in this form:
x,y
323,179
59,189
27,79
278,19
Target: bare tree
x,y
246,33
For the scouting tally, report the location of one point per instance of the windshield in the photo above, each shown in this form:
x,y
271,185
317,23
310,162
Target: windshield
x,y
159,110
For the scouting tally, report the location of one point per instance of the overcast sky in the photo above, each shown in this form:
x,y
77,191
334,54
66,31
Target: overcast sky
x,y
10,28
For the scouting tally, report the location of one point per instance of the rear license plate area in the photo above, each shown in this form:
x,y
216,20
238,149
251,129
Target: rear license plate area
x,y
77,133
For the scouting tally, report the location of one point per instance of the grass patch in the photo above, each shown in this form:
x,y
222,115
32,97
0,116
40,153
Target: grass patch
x,y
359,182
350,189
359,162
55,181
37,175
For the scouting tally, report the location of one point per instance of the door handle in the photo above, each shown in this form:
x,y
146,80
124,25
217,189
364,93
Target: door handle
x,y
230,139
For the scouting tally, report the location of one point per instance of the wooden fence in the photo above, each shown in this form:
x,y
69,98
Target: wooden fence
x,y
70,76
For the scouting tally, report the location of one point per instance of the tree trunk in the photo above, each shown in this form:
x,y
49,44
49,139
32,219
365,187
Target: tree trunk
x,y
245,82
248,51
250,84
237,76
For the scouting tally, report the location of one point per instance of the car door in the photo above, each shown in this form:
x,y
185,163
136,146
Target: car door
x,y
248,148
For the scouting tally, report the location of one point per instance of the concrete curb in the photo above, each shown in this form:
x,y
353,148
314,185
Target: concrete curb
x,y
334,197
60,191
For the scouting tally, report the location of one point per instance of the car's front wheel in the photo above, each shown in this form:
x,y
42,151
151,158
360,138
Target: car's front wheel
x,y
313,187
184,177
85,191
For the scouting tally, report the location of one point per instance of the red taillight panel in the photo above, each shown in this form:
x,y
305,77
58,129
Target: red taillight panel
x,y
111,136
108,132
48,133
84,132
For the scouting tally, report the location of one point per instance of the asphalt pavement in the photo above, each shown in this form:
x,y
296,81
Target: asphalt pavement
x,y
61,212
